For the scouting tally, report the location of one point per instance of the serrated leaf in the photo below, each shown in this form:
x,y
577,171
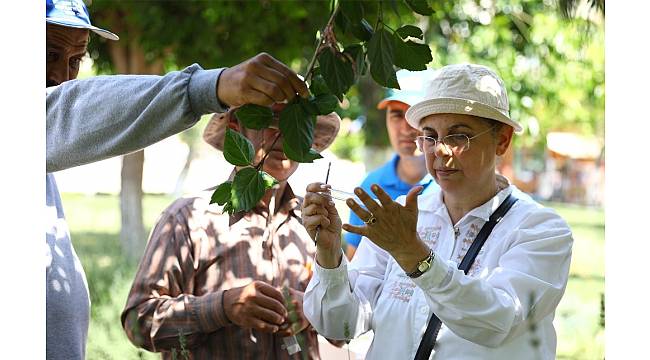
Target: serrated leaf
x,y
382,57
419,6
361,30
356,52
318,86
221,194
352,10
237,149
248,187
410,55
297,128
410,30
254,116
326,103
337,72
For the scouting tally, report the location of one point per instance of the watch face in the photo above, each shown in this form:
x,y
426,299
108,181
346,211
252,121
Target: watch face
x,y
423,266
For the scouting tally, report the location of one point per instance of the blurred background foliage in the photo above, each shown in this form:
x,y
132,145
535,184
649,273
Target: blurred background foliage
x,y
554,66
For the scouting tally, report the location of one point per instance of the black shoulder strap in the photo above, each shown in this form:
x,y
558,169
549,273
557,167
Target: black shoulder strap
x,y
431,333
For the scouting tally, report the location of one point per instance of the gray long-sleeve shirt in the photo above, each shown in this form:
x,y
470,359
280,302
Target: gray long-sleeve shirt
x,y
91,120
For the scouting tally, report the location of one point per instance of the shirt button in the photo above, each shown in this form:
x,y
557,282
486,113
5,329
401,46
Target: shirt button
x,y
424,310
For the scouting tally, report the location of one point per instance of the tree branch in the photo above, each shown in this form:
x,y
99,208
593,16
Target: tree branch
x,y
258,167
312,62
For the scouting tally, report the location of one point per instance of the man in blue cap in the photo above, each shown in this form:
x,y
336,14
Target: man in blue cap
x,y
97,118
406,168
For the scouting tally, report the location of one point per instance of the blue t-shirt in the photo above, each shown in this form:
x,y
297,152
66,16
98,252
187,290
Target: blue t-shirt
x,y
386,177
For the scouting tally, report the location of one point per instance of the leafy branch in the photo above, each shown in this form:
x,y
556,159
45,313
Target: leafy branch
x,y
331,72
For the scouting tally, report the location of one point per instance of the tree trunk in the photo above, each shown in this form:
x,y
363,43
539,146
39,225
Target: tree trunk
x,y
129,58
191,154
132,233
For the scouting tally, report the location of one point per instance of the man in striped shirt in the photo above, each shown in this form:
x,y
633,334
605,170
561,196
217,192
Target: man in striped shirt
x,y
210,283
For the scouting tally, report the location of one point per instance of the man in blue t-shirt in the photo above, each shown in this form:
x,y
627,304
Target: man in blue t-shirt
x,y
406,168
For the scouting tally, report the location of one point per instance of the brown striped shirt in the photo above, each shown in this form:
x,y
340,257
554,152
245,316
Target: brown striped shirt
x,y
194,253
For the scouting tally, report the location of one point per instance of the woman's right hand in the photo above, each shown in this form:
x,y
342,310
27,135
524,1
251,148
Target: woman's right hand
x,y
318,210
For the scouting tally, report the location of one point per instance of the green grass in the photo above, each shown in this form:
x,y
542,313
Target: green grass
x,y
94,224
580,334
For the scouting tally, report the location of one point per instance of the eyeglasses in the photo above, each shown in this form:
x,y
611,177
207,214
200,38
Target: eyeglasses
x,y
456,143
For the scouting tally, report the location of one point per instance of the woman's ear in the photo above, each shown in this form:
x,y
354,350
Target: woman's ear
x,y
504,138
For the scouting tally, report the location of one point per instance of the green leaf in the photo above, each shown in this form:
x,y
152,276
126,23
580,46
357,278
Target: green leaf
x,y
297,128
318,85
337,72
342,22
356,53
410,55
237,149
361,30
352,10
312,155
300,156
381,56
326,103
254,116
393,5
248,187
228,208
221,194
268,180
419,6
308,105
410,30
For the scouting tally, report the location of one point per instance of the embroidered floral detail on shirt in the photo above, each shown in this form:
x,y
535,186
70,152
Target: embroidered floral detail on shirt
x,y
402,290
476,267
467,241
430,235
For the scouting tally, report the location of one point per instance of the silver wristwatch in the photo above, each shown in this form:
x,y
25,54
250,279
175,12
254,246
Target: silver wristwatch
x,y
423,266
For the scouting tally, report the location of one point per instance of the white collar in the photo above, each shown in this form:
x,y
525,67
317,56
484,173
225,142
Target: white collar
x,y
433,202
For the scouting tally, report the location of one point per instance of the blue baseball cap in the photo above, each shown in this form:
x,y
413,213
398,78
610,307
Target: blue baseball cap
x,y
411,85
73,13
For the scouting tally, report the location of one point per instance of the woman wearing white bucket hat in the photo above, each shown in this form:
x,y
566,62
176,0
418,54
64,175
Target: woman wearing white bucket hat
x,y
479,261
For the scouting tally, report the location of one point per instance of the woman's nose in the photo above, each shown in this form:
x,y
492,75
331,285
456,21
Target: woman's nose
x,y
440,149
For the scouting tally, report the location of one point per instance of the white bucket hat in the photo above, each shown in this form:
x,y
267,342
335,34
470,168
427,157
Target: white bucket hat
x,y
464,89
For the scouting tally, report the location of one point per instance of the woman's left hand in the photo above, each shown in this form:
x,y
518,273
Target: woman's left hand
x,y
389,225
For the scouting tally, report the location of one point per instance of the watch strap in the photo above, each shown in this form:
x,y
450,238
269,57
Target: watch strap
x,y
418,272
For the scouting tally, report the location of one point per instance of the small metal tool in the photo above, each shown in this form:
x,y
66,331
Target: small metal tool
x,y
327,177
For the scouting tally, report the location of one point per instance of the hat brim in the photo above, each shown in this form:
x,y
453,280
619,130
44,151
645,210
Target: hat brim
x,y
101,32
425,108
405,99
384,103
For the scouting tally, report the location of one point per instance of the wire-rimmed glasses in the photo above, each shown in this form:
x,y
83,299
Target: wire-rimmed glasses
x,y
456,143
